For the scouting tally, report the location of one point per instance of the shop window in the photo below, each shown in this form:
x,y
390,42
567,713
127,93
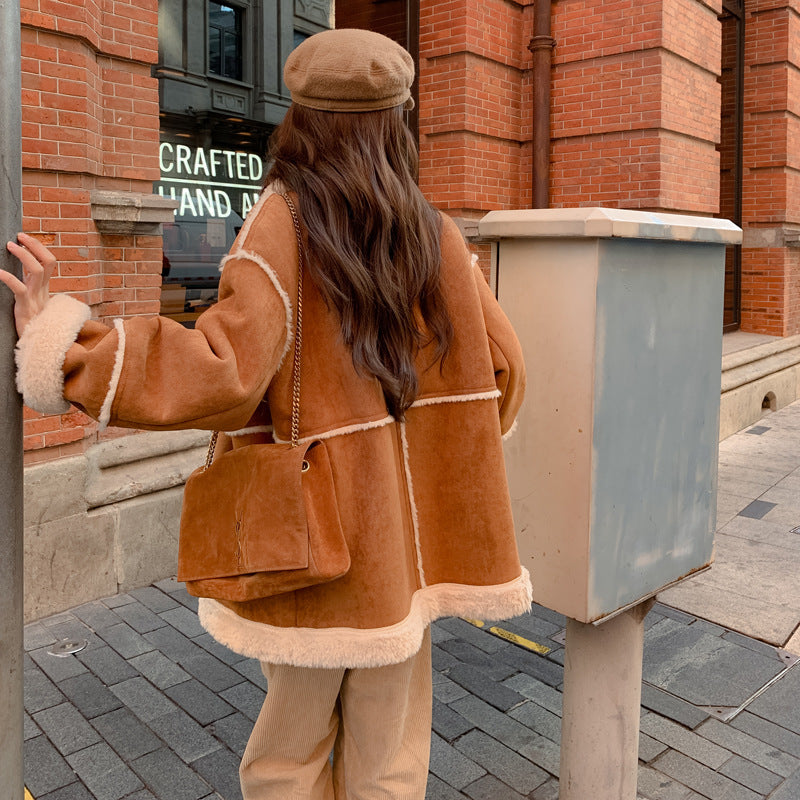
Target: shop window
x,y
225,40
215,189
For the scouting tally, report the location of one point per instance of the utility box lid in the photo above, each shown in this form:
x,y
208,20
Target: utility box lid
x,y
606,223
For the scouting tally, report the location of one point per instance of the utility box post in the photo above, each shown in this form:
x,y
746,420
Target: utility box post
x,y
11,414
613,468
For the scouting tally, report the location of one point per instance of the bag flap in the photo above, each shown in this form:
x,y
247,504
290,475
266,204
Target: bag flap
x,y
245,514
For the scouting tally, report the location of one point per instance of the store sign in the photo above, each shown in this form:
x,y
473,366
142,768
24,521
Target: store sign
x,y
209,184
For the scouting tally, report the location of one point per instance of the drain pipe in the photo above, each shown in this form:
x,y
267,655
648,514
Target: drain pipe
x,y
541,46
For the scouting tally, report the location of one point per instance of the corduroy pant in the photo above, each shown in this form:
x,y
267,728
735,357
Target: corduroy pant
x,y
376,721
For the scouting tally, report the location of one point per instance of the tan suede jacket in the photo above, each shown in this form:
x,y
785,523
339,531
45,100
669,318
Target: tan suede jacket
x,y
424,503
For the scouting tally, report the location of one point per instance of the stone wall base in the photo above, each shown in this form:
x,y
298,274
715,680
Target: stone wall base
x,y
756,381
105,521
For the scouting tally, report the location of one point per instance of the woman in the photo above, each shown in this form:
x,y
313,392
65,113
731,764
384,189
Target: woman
x,y
410,373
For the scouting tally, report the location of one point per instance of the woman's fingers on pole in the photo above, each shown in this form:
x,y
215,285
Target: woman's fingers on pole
x,y
42,255
13,283
30,264
37,261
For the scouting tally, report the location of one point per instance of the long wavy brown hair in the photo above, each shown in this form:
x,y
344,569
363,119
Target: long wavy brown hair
x,y
374,241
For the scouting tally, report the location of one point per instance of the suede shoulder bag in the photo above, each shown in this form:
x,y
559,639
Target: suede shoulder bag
x,y
262,519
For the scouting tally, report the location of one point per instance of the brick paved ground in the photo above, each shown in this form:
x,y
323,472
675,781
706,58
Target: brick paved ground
x,y
153,708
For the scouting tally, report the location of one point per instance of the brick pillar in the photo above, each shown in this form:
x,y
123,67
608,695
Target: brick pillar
x,y
771,203
474,106
90,121
636,104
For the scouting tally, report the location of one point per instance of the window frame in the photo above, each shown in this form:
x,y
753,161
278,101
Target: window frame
x,y
240,16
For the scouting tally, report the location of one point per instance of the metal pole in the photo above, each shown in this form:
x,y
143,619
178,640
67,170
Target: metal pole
x,y
602,694
11,596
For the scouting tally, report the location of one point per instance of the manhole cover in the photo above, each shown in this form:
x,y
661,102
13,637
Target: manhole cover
x,y
66,647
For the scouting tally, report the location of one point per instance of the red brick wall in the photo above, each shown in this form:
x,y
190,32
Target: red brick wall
x,y
474,104
771,275
385,16
636,104
90,121
770,289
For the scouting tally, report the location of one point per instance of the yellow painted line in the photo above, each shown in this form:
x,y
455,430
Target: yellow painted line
x,y
514,638
520,640
28,795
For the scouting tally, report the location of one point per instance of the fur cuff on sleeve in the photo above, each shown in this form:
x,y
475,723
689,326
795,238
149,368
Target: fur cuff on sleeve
x,y
42,349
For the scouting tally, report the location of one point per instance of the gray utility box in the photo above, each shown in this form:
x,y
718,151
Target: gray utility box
x,y
613,468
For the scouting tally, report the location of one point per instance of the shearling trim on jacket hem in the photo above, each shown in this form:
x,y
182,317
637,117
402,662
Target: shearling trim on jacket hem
x,y
105,409
270,273
41,351
412,503
370,647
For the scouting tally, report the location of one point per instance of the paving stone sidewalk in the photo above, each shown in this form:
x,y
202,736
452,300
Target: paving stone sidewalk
x,y
154,709
753,586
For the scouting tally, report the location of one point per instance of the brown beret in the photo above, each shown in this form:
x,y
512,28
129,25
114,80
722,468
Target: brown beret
x,y
349,69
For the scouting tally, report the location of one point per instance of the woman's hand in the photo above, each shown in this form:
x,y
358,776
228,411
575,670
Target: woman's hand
x,y
31,293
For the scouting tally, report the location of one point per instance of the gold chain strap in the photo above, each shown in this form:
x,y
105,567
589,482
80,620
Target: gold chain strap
x,y
298,334
298,344
212,446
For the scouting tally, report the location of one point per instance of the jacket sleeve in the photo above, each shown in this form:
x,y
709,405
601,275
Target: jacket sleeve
x,y
507,358
151,372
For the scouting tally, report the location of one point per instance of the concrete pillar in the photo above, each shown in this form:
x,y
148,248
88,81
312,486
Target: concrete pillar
x,y
602,694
